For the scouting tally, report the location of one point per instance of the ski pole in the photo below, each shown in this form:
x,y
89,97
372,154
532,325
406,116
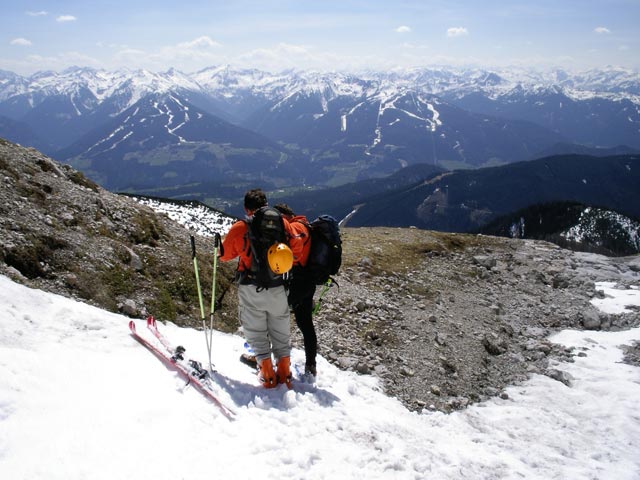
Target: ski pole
x,y
216,246
324,290
195,268
221,297
202,315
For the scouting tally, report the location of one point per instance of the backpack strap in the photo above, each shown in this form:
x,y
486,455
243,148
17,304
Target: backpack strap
x,y
308,227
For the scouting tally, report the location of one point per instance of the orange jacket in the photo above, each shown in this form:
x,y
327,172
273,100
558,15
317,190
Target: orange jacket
x,y
236,244
300,241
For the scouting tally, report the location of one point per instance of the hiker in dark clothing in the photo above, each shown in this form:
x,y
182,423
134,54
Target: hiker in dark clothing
x,y
302,287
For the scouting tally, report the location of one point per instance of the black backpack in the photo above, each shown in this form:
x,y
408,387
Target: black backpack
x,y
265,228
325,254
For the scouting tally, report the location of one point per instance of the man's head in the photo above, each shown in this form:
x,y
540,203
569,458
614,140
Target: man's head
x,y
254,199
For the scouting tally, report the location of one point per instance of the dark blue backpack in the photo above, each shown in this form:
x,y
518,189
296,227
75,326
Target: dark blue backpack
x,y
325,254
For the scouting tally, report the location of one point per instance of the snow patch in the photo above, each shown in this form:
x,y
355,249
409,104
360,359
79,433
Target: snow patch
x,y
97,407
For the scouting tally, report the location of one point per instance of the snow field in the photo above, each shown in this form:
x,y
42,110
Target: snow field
x,y
81,399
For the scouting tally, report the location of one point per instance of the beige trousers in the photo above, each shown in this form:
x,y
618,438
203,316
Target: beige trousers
x,y
265,319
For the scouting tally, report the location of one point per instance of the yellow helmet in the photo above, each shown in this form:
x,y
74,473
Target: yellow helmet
x,y
280,258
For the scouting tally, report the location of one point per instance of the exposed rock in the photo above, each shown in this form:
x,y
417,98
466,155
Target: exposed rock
x,y
591,319
560,376
494,345
129,308
472,335
632,354
62,233
485,261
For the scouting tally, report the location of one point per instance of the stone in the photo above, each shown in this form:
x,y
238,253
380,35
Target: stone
x,y
129,308
591,319
560,376
494,345
485,261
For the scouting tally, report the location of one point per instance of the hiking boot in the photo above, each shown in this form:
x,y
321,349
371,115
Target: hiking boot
x,y
266,375
310,369
249,359
284,371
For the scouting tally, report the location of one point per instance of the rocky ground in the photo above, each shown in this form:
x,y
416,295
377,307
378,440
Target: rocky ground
x,y
61,232
443,319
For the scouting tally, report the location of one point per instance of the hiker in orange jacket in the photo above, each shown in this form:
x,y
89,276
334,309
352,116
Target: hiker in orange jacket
x,y
263,312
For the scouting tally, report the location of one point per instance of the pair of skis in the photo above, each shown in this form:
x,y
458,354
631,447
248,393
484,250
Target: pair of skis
x,y
191,370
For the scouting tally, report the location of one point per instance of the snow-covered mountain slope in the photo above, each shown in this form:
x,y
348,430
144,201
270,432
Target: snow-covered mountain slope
x,y
391,129
91,402
220,78
165,140
195,216
572,225
595,224
347,126
101,84
235,86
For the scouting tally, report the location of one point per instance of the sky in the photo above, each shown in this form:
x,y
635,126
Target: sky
x,y
348,35
80,398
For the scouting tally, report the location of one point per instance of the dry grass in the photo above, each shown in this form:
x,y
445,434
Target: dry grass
x,y
399,250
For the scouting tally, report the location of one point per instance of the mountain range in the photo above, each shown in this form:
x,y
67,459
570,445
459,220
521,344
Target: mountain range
x,y
223,129
465,200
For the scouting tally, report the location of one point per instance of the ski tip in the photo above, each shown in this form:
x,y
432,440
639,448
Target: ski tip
x,y
151,322
132,326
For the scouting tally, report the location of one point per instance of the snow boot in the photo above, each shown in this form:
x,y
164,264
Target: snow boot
x,y
249,359
283,371
266,375
249,356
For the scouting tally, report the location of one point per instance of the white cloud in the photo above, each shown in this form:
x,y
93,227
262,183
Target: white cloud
x,y
130,56
34,63
66,18
298,57
414,45
117,46
403,29
190,55
41,13
602,30
22,42
200,51
457,32
199,43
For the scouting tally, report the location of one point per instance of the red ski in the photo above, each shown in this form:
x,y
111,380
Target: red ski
x,y
152,325
194,376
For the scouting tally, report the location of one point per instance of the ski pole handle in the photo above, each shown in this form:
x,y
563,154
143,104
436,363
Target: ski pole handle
x,y
218,248
193,247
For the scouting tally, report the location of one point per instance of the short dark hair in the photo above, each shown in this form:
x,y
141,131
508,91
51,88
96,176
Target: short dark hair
x,y
255,199
284,209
